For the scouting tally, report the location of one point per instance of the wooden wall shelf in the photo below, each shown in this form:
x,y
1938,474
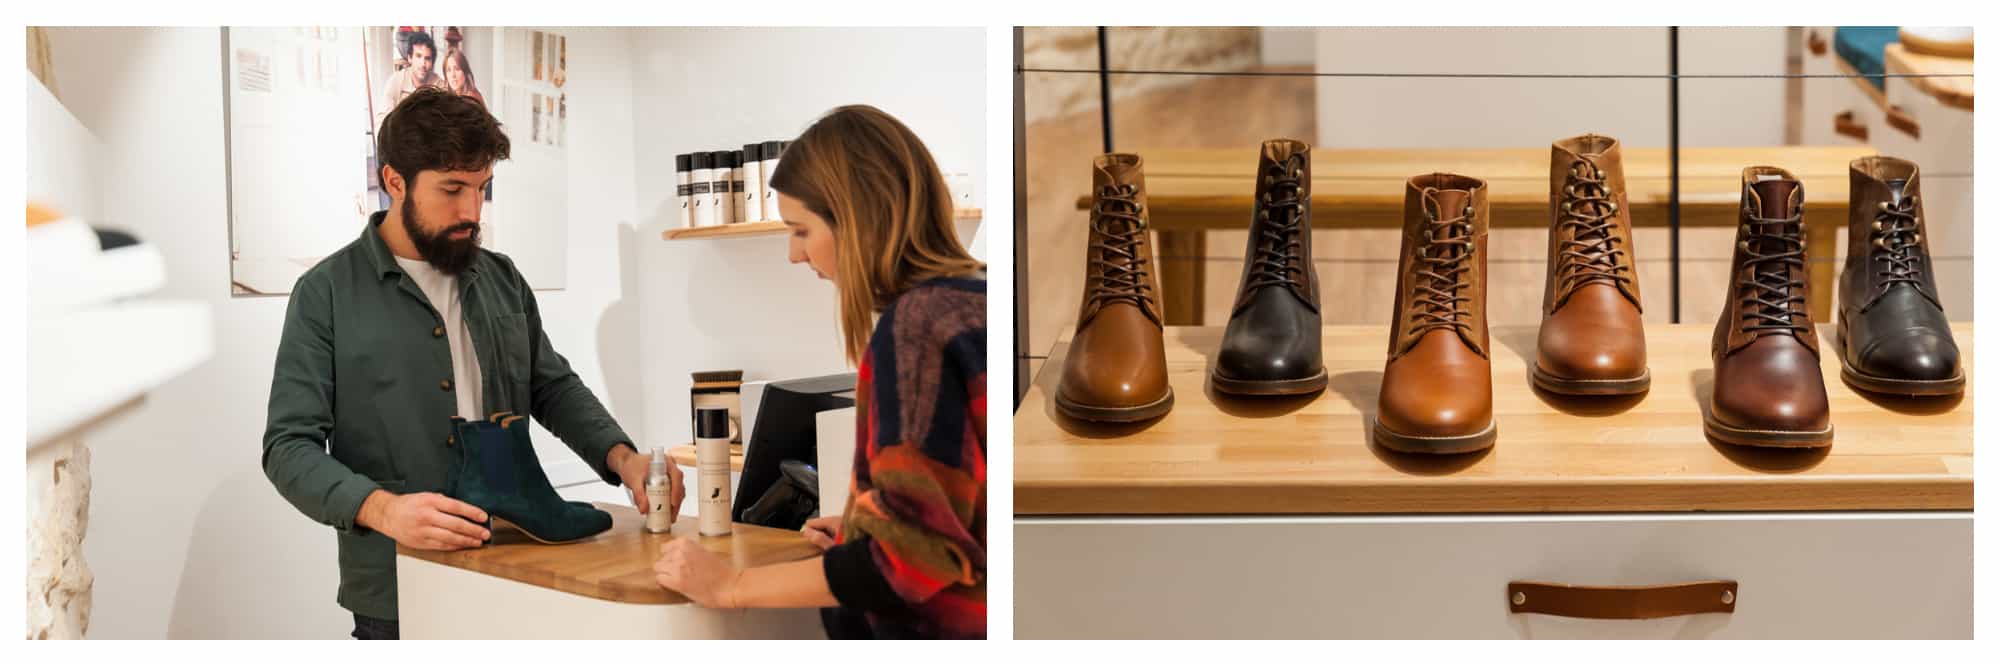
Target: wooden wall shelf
x,y
744,229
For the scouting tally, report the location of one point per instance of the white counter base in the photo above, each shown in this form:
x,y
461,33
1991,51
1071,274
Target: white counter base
x,y
437,601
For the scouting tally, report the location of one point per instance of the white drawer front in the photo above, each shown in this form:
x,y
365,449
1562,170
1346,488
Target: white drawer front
x,y
1846,575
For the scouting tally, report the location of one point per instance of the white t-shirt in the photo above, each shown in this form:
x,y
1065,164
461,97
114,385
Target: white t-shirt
x,y
442,290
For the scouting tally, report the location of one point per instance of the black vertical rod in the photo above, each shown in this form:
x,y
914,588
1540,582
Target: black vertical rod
x,y
1021,377
1674,167
1104,83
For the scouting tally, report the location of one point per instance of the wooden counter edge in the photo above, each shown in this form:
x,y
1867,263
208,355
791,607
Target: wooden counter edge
x,y
625,519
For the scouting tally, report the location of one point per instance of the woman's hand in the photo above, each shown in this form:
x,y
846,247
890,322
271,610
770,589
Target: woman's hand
x,y
685,567
823,531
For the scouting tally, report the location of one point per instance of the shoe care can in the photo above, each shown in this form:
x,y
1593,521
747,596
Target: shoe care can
x,y
711,453
659,494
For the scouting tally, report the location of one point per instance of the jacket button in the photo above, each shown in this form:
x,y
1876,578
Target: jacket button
x,y
437,332
444,385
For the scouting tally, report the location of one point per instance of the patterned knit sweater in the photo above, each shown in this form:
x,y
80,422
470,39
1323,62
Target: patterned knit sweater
x,y
911,562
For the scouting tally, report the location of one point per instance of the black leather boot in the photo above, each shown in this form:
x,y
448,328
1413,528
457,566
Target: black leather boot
x,y
1272,345
1893,336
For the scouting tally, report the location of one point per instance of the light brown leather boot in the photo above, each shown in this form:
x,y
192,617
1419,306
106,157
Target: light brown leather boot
x,y
1116,369
1592,341
1437,389
1768,390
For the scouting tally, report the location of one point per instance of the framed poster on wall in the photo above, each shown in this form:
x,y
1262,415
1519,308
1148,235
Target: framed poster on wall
x,y
302,106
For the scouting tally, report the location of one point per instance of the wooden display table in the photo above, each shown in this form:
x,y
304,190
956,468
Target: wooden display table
x,y
1215,454
1194,191
601,587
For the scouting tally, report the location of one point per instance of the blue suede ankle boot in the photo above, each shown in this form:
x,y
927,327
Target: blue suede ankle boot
x,y
497,471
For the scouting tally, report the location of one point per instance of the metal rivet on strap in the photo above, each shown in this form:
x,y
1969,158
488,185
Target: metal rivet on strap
x,y
1520,598
1728,596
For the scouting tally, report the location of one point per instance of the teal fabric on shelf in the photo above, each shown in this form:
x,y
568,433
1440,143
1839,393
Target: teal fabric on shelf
x,y
1861,48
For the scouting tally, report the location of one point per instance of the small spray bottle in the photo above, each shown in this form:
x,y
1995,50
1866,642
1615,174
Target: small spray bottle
x,y
660,494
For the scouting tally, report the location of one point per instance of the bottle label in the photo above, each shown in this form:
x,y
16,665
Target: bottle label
x,y
698,188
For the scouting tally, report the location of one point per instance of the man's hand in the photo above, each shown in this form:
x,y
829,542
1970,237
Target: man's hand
x,y
685,567
428,521
823,531
632,467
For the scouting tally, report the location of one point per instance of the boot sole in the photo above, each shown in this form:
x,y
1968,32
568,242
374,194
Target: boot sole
x,y
1567,386
1115,414
503,522
1396,441
1786,439
1922,387
1313,384
1916,387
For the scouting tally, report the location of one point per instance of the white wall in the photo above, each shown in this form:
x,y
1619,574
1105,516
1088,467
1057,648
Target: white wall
x,y
737,304
187,537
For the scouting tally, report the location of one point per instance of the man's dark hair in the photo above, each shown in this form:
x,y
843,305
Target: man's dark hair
x,y
434,129
420,38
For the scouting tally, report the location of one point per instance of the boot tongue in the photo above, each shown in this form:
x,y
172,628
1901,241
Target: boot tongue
x,y
1279,150
1775,198
1118,169
1451,203
1896,186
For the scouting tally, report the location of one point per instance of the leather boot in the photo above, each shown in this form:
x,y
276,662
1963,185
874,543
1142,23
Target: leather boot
x,y
1768,389
496,470
1116,369
1271,346
1437,389
1592,341
1892,334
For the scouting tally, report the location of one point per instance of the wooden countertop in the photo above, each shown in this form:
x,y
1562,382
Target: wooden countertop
x,y
683,456
1954,91
1218,455
1363,188
618,564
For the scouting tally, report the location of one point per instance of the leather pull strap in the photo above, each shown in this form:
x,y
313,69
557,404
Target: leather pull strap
x,y
1622,602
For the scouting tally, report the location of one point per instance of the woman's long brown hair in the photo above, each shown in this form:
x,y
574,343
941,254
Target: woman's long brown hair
x,y
875,184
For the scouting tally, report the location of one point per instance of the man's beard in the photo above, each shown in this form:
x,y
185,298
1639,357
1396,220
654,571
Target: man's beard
x,y
442,252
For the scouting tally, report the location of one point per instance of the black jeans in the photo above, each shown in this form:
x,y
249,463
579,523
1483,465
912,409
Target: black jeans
x,y
370,629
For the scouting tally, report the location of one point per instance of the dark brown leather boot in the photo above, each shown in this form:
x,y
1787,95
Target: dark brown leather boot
x,y
1592,341
1892,336
1768,389
1272,343
1116,369
1437,390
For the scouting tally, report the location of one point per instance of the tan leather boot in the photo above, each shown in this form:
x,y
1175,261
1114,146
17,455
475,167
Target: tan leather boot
x,y
1116,369
1592,341
1437,389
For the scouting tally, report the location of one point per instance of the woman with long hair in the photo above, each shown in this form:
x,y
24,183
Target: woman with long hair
x,y
458,75
868,209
